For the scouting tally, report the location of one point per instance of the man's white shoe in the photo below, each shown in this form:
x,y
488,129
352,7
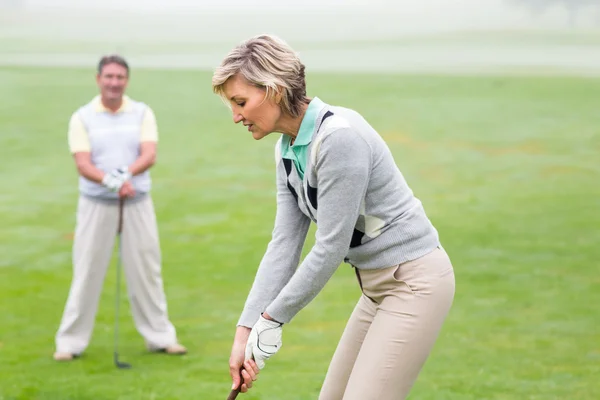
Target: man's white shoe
x,y
60,356
176,349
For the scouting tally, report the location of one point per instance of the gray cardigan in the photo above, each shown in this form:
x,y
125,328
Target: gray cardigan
x,y
366,215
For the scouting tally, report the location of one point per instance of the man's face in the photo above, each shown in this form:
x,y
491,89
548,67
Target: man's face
x,y
112,81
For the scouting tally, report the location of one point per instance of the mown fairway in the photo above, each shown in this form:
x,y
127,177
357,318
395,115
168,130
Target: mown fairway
x,y
507,168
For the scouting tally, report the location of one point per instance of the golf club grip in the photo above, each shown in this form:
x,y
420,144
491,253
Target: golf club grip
x,y
121,204
234,392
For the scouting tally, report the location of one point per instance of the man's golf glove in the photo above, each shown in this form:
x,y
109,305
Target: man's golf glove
x,y
116,178
123,173
264,341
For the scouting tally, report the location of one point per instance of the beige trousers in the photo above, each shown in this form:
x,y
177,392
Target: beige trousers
x,y
94,242
391,330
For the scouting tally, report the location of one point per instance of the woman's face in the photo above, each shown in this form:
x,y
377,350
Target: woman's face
x,y
249,106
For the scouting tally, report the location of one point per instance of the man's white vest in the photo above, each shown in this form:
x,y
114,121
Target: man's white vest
x,y
115,142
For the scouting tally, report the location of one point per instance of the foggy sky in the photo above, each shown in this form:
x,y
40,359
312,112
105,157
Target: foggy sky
x,y
474,35
427,14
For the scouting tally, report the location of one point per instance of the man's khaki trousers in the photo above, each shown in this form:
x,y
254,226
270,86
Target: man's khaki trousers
x,y
391,330
94,242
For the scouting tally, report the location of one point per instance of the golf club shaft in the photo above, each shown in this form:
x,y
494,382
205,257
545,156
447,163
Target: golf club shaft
x,y
233,394
118,284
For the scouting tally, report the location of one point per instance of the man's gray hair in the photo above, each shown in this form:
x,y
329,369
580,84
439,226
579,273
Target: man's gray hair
x,y
269,63
112,59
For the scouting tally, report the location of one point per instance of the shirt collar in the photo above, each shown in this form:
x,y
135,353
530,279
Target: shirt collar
x,y
307,127
125,106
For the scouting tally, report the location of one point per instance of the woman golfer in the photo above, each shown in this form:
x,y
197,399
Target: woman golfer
x,y
335,170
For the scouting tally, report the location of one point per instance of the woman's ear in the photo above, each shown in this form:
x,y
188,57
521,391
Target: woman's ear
x,y
278,95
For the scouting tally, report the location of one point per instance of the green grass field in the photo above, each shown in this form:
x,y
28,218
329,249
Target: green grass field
x,y
507,168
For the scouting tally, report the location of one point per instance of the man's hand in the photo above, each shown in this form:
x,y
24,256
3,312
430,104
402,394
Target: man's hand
x,y
115,179
112,181
264,341
123,172
127,190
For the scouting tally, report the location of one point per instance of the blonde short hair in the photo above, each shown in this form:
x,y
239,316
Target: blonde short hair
x,y
270,63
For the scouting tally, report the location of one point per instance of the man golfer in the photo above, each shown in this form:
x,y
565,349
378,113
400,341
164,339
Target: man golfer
x,y
113,141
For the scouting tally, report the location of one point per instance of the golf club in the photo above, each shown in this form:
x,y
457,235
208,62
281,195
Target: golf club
x,y
234,392
119,364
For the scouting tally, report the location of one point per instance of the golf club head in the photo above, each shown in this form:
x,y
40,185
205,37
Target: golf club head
x,y
121,364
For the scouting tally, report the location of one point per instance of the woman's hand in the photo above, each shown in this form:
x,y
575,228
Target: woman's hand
x,y
236,361
264,340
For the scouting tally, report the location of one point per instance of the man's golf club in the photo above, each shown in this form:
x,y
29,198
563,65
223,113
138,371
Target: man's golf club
x,y
119,364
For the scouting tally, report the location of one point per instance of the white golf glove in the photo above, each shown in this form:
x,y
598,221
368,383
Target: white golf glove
x,y
116,178
123,173
264,341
